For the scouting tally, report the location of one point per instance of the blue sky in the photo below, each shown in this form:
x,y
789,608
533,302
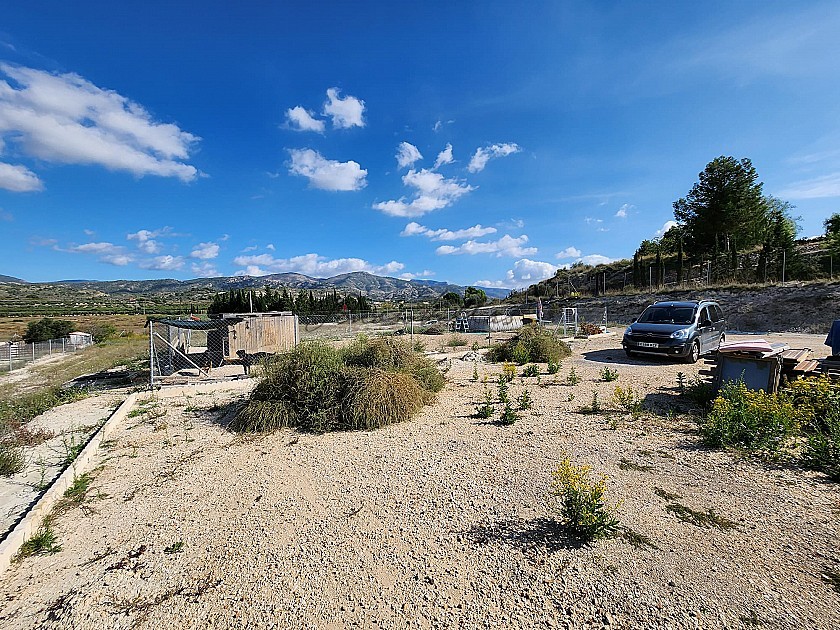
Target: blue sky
x,y
462,142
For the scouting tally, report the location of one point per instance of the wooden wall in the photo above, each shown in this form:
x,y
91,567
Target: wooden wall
x,y
272,333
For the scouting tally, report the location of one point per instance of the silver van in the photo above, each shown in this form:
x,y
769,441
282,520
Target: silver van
x,y
685,330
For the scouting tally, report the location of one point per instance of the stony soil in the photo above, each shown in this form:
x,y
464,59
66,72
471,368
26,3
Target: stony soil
x,y
442,521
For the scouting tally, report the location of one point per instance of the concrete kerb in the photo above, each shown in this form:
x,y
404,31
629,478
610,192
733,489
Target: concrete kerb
x,y
30,523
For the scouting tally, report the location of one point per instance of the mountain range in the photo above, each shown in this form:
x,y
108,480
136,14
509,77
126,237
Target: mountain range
x,y
372,286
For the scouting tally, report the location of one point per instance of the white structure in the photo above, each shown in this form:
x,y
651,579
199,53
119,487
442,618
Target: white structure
x,y
80,339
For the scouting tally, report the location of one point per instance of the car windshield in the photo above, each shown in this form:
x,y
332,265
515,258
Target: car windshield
x,y
668,315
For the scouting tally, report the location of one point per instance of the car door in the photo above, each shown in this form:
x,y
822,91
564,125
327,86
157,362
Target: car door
x,y
719,325
706,330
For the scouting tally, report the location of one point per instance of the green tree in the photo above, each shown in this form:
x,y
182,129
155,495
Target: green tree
x,y
832,233
474,297
725,209
46,328
451,298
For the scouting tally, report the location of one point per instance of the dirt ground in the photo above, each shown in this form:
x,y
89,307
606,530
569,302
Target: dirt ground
x,y
442,521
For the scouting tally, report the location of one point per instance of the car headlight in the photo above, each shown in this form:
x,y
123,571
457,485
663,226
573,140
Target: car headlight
x,y
628,330
680,334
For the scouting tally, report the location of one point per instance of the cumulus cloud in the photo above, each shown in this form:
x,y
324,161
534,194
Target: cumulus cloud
x,y
483,155
146,242
205,270
17,178
524,272
301,120
444,157
205,251
476,231
327,174
621,213
595,259
569,252
310,265
426,273
163,263
667,226
345,112
104,251
505,246
63,118
432,192
407,154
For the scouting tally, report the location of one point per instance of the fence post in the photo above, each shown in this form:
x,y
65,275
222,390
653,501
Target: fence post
x,y
50,342
151,355
33,350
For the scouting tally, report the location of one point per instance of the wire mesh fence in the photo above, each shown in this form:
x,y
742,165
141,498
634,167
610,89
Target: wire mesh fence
x,y
16,354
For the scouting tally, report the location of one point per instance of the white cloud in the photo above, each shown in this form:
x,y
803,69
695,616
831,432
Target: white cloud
x,y
270,247
345,112
18,178
146,242
595,259
621,213
150,246
311,265
432,192
483,155
444,157
426,273
301,120
476,231
407,154
250,248
492,284
64,118
205,270
569,252
667,226
823,187
104,251
205,251
505,246
591,220
527,271
120,260
327,174
95,248
163,263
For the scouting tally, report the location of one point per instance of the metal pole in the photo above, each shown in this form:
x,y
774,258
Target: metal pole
x,y
412,325
151,356
50,346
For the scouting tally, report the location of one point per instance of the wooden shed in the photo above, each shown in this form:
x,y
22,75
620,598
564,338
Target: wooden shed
x,y
261,332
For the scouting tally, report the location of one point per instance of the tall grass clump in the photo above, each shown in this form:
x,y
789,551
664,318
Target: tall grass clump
x,y
531,345
583,509
819,399
315,387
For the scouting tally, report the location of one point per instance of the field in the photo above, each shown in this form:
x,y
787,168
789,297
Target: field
x,y
442,521
15,327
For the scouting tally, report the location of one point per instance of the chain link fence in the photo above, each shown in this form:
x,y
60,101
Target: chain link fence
x,y
16,354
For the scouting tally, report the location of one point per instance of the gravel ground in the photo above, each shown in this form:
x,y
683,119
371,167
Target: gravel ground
x,y
442,521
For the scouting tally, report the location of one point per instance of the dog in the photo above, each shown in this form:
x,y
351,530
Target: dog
x,y
247,360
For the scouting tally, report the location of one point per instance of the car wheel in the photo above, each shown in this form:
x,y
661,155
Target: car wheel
x,y
694,355
631,354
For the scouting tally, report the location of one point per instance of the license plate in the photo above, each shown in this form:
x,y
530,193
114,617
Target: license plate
x,y
645,344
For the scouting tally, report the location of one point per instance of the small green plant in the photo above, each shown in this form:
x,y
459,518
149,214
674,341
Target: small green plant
x,y
72,448
12,460
475,372
509,371
456,341
524,401
502,389
531,369
700,392
475,347
509,416
43,541
628,400
608,374
583,509
176,547
485,409
594,407
572,378
553,367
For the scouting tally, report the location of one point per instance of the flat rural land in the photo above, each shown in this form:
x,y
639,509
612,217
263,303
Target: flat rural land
x,y
444,521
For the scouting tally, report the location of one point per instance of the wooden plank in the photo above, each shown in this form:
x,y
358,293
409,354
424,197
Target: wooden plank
x,y
808,365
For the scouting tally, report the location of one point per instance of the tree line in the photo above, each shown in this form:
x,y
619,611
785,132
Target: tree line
x,y
268,299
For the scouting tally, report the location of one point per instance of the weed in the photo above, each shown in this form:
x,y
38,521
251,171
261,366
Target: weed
x,y
475,346
20,409
502,389
626,464
583,509
608,374
592,408
531,345
822,451
509,416
706,519
76,494
12,460
42,475
475,372
419,346
750,620
553,367
700,392
72,448
486,409
509,371
531,370
627,399
176,547
524,401
456,341
42,542
573,378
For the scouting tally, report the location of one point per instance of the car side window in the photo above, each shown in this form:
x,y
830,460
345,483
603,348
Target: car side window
x,y
704,315
718,314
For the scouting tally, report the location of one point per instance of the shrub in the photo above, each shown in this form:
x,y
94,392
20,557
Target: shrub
x,y
12,460
572,378
503,388
531,345
509,416
609,375
700,392
524,401
748,419
486,409
314,387
553,367
509,371
822,451
584,512
817,397
456,341
531,370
